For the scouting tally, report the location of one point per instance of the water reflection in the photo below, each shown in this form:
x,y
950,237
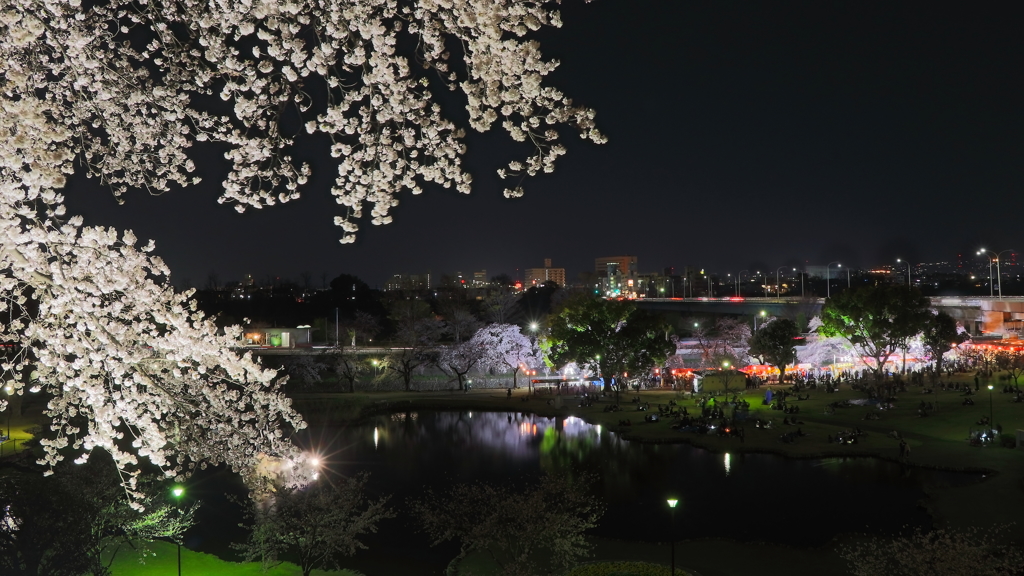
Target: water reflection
x,y
746,496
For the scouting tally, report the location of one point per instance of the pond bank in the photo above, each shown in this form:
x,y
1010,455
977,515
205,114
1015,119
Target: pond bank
x,y
937,441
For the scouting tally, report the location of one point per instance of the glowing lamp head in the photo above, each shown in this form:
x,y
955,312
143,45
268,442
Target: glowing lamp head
x,y
314,462
989,386
672,502
178,491
533,326
9,389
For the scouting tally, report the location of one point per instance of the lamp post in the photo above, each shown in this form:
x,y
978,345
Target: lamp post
x,y
672,502
778,285
755,320
908,271
9,390
999,275
828,281
990,422
178,491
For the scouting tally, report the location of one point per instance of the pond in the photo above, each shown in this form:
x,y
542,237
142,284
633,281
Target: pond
x,y
740,496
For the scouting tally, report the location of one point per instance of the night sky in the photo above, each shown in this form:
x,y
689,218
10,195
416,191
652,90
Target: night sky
x,y
742,135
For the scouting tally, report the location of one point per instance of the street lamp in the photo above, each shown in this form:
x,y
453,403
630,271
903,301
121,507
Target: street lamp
x,y
755,320
9,390
375,363
990,422
999,276
908,271
672,502
778,285
828,281
178,491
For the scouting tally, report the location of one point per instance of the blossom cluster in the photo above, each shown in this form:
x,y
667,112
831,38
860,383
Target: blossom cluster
x,y
125,89
134,85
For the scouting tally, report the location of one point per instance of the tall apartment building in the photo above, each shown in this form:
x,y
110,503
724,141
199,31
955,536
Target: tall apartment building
x,y
618,275
625,265
538,276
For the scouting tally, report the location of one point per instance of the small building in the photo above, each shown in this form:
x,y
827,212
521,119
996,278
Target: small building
x,y
276,337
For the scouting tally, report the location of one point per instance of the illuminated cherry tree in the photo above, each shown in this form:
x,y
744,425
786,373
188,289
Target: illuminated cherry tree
x,y
123,90
506,348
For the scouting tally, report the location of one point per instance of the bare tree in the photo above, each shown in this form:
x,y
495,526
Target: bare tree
x,y
362,326
728,337
418,331
457,360
501,307
459,322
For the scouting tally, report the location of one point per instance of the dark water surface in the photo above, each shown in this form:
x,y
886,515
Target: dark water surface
x,y
744,497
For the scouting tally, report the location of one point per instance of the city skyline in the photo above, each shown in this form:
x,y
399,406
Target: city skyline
x,y
741,134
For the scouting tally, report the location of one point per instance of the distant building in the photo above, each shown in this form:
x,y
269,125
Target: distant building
x,y
625,265
538,276
409,282
618,276
480,278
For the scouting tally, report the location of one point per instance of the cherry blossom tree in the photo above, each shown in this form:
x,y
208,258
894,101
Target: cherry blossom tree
x,y
507,348
124,90
458,360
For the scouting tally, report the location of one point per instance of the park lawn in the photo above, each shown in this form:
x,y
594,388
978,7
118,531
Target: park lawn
x,y
164,561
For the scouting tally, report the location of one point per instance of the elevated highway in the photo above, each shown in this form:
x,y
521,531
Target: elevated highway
x,y
978,314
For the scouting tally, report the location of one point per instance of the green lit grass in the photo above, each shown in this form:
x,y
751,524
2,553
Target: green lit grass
x,y
164,561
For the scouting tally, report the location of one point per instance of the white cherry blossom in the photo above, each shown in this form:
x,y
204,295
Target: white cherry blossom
x,y
123,90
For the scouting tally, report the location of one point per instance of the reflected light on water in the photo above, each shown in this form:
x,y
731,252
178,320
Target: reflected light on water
x,y
376,437
728,465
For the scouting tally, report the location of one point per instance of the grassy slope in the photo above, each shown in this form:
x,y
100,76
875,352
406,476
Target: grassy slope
x,y
164,561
